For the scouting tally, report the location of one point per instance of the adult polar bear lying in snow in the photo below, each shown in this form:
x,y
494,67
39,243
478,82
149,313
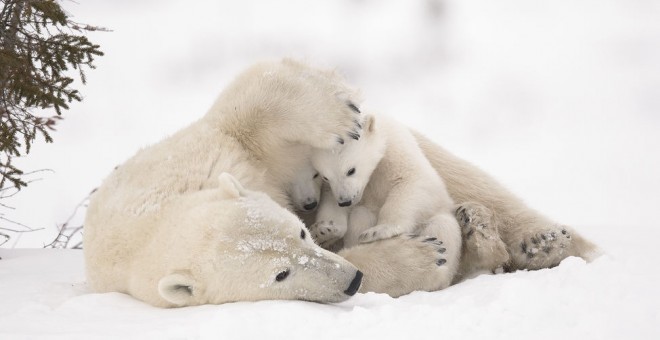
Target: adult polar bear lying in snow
x,y
171,228
168,227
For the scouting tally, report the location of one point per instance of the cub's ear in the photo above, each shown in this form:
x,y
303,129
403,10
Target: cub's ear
x,y
230,186
369,123
177,288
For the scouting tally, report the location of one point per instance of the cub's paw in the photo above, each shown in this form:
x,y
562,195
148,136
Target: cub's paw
x,y
326,233
379,232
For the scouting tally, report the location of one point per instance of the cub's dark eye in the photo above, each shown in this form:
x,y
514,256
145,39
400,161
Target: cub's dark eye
x,y
302,234
282,275
350,172
316,175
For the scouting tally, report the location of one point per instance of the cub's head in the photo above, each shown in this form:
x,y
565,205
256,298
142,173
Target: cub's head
x,y
305,190
347,169
249,249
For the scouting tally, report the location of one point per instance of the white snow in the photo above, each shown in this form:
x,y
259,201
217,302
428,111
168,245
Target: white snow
x,y
559,100
43,295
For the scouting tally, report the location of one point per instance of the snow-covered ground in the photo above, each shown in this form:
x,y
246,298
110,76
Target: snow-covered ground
x,y
44,296
560,100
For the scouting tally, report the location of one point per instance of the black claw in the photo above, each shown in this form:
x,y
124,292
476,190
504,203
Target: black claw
x,y
563,231
340,140
543,237
442,250
354,135
441,262
430,239
357,123
353,107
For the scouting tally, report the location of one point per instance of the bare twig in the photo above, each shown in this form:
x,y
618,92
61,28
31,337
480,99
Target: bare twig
x,y
5,239
67,232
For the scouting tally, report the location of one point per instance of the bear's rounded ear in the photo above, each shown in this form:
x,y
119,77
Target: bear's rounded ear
x,y
177,288
230,186
369,123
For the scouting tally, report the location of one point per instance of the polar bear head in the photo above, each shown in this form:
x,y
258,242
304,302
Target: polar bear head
x,y
305,189
250,249
347,169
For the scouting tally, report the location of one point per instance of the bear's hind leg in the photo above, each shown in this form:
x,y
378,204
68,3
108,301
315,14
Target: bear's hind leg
x,y
544,247
483,248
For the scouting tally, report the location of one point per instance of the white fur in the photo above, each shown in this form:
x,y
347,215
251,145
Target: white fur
x,y
386,172
515,236
168,228
305,189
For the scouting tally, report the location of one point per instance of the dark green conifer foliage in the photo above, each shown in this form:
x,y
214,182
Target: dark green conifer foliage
x,y
40,46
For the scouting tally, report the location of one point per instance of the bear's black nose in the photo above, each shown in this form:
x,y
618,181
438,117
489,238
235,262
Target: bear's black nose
x,y
345,203
310,206
355,284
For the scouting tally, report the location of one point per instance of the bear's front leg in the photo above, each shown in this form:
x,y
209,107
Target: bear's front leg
x,y
329,128
398,215
314,107
400,265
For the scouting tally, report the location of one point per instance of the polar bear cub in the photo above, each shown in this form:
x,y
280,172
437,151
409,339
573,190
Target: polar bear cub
x,y
387,174
305,189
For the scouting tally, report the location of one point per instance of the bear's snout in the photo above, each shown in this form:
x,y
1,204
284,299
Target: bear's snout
x,y
355,284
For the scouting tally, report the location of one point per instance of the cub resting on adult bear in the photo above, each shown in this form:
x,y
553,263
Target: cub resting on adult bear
x,y
498,230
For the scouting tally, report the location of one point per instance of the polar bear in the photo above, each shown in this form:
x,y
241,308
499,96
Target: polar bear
x,y
167,228
305,189
498,230
163,228
397,189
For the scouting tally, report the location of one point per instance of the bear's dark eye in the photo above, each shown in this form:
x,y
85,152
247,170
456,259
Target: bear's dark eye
x,y
316,175
282,275
350,172
302,234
